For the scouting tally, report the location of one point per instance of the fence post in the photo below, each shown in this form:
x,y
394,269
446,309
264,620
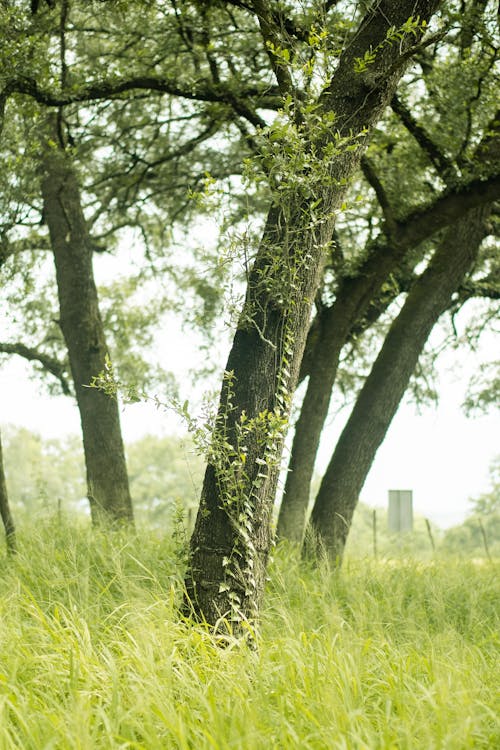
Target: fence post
x,y
485,540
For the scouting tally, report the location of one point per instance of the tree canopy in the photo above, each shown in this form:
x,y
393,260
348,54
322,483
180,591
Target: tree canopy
x,y
350,153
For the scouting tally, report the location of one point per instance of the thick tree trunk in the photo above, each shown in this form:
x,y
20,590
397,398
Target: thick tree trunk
x,y
231,539
313,413
353,304
8,521
384,388
335,325
81,324
331,331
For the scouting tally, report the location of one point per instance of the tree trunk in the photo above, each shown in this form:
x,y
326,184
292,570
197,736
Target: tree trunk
x,y
8,522
313,413
81,324
384,388
231,539
335,325
355,303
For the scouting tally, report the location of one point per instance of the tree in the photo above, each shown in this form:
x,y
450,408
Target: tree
x,y
360,298
361,294
45,476
57,159
48,476
429,296
79,320
383,390
482,526
81,324
165,477
488,503
145,161
8,522
283,58
321,147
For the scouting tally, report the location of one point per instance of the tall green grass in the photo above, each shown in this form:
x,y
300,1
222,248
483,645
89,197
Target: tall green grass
x,y
389,654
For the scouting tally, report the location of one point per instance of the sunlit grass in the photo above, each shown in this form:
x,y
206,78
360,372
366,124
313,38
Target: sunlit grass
x,y
93,653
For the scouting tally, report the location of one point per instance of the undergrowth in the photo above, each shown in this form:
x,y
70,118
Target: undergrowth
x,y
390,654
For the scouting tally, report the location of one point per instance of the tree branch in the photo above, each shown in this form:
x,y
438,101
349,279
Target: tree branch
x,y
206,92
422,223
486,288
285,22
240,4
7,248
50,364
461,156
373,180
3,101
272,44
444,166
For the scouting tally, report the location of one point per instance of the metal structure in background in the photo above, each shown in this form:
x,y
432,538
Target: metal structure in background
x,y
400,516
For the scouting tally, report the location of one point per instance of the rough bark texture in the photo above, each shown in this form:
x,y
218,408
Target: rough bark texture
x,y
384,388
314,409
353,299
80,320
231,539
8,521
337,322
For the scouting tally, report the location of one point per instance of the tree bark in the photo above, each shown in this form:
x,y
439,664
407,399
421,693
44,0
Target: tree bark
x,y
81,324
335,324
353,300
231,539
8,521
384,388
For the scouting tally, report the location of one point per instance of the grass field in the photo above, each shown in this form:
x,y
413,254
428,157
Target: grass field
x,y
387,654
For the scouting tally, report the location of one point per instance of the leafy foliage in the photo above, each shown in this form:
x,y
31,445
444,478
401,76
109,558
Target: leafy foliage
x,y
43,475
164,120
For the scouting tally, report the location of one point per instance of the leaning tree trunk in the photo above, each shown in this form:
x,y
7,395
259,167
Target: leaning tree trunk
x,y
335,324
8,521
81,324
353,306
385,386
231,539
332,335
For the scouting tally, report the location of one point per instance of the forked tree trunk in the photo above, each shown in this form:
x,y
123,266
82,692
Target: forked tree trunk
x,y
8,521
231,539
81,324
385,386
353,301
335,325
313,413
